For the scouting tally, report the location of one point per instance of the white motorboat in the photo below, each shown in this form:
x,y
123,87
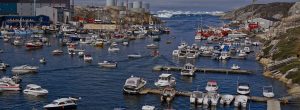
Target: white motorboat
x,y
63,104
108,64
165,80
168,94
17,41
87,58
148,107
211,86
35,90
133,85
240,101
24,69
235,67
113,49
242,53
226,99
135,55
211,98
197,97
188,70
13,80
247,50
152,46
224,55
9,86
57,52
125,43
198,37
175,52
243,89
268,91
42,60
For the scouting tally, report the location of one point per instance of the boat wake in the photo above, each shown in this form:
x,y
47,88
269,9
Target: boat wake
x,y
171,13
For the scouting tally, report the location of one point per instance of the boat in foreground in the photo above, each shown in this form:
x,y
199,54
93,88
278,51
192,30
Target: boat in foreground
x,y
69,103
35,90
134,84
23,69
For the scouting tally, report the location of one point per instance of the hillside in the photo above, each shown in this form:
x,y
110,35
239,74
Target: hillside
x,y
277,10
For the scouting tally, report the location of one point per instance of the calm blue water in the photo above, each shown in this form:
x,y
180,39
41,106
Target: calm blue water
x,y
101,89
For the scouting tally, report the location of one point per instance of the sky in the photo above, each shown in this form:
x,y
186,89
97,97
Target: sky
x,y
189,5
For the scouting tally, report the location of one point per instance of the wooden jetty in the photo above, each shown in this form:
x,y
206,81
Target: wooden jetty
x,y
204,70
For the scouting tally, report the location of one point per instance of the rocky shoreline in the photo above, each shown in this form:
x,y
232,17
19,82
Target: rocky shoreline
x,y
281,43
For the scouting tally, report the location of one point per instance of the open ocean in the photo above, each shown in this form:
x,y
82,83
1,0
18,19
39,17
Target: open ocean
x,y
101,89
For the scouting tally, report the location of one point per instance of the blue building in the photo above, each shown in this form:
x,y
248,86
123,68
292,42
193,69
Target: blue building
x,y
17,21
8,7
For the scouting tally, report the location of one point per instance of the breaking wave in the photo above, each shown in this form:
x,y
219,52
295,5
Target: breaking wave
x,y
171,13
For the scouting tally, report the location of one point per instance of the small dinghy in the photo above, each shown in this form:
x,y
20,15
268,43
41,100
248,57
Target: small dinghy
x,y
43,60
268,91
235,67
226,99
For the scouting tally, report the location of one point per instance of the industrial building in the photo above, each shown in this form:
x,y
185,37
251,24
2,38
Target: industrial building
x,y
57,10
135,6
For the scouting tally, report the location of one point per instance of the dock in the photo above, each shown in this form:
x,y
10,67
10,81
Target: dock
x,y
202,69
158,91
273,105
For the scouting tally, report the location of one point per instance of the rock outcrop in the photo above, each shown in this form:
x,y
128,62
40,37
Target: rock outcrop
x,y
277,10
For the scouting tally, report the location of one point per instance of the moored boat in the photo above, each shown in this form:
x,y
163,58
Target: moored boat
x,y
23,69
133,85
243,88
268,91
108,64
35,90
226,99
188,70
211,86
165,80
69,103
196,97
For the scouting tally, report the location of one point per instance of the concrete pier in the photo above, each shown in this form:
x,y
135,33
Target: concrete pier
x,y
273,105
204,70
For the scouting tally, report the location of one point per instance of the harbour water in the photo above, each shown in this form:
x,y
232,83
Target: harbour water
x,y
101,89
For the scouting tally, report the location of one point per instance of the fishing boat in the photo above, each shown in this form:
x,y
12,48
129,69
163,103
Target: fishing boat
x,y
240,101
243,88
188,70
165,80
113,48
35,90
108,64
57,52
133,85
235,67
226,99
152,46
268,91
43,60
87,58
134,55
69,103
211,86
197,97
148,107
23,69
211,98
168,94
